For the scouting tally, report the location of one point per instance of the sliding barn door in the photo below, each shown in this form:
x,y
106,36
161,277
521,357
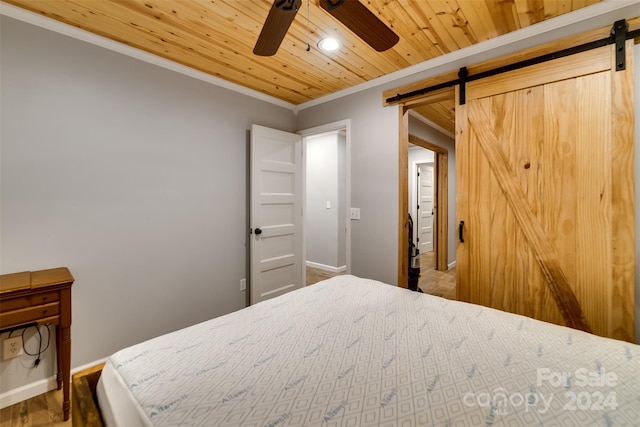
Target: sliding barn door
x,y
545,193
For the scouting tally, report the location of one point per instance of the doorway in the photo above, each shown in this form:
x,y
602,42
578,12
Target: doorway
x,y
428,203
422,200
441,163
425,208
440,201
277,209
326,235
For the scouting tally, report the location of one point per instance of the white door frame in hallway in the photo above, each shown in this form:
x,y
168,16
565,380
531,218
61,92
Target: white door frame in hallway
x,y
441,201
330,127
425,216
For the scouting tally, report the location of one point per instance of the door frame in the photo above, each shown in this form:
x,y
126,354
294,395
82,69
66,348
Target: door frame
x,y
416,222
329,127
440,200
441,173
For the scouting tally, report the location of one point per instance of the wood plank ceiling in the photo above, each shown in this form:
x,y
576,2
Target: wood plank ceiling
x,y
217,37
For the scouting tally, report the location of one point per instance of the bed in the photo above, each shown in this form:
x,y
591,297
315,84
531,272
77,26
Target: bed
x,y
355,352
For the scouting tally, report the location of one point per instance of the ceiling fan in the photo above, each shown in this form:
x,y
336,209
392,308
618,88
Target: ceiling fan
x,y
353,14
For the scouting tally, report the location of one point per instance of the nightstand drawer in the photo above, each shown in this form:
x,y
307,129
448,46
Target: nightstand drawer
x,y
30,314
28,301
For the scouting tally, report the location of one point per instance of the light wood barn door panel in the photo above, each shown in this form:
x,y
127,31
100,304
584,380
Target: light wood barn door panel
x,y
545,189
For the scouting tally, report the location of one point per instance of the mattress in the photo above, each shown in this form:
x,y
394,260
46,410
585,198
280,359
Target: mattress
x,y
357,352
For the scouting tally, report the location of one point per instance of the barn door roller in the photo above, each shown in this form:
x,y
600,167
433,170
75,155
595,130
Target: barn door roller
x,y
619,33
462,76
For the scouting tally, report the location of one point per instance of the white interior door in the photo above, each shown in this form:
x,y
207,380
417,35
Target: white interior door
x,y
276,213
426,211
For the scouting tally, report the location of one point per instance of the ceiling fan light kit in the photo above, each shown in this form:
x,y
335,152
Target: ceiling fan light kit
x,y
351,13
329,44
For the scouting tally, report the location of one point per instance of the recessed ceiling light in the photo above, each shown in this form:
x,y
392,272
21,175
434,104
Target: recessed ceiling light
x,y
329,44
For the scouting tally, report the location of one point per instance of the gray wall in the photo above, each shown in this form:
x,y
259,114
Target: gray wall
x,y
374,178
132,176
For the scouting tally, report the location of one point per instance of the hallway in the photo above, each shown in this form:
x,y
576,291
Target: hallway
x,y
434,282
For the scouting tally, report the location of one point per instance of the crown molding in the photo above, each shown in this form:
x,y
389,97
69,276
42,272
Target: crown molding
x,y
77,33
581,20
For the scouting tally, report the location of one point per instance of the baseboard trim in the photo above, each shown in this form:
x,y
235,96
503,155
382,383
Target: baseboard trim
x,y
330,268
451,265
27,391
36,388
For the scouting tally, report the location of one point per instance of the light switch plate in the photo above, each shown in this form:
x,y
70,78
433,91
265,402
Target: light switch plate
x,y
11,347
355,213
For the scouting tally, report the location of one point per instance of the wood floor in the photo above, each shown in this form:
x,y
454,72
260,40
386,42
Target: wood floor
x,y
432,282
314,275
45,410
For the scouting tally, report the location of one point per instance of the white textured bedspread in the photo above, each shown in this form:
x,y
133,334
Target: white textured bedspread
x,y
356,352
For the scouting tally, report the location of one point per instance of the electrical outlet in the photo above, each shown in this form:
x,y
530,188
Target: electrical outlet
x,y
355,213
243,284
11,347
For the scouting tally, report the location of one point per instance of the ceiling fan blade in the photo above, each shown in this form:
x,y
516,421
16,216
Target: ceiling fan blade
x,y
362,22
276,26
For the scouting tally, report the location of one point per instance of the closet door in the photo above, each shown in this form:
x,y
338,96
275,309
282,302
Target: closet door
x,y
545,188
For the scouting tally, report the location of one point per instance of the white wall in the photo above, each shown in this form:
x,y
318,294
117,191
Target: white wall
x,y
342,199
132,176
324,227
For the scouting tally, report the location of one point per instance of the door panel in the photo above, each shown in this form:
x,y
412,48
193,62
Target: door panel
x,y
545,204
425,215
276,209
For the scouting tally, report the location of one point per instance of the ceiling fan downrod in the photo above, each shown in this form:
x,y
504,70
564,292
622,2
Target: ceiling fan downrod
x,y
288,5
333,4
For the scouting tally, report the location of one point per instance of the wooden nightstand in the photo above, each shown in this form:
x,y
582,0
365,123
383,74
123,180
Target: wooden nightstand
x,y
41,297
